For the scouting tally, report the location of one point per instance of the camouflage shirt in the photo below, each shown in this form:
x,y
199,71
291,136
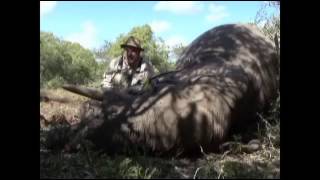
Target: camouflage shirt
x,y
122,76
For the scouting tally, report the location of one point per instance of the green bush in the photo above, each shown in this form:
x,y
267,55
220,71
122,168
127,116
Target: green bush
x,y
65,62
56,82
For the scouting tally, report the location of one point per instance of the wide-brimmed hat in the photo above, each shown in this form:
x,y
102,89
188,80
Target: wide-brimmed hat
x,y
132,42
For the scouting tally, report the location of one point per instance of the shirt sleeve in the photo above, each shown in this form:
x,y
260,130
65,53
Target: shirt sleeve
x,y
107,81
108,75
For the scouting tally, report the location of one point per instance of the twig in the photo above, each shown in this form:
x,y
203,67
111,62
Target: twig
x,y
201,149
270,155
225,153
221,171
270,140
195,174
206,156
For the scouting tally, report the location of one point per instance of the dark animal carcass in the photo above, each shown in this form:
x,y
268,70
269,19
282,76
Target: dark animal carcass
x,y
223,78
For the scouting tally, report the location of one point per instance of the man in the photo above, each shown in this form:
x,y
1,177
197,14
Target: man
x,y
130,70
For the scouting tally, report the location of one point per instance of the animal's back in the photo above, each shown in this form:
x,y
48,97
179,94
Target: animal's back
x,y
234,48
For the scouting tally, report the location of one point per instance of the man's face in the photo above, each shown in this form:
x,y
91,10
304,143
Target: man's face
x,y
133,55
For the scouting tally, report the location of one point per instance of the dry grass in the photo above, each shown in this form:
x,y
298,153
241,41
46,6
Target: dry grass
x,y
61,104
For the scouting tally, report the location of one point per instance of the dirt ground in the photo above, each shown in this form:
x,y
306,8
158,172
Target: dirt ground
x,y
60,104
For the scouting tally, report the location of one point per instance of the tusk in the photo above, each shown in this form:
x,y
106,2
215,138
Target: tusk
x,y
92,93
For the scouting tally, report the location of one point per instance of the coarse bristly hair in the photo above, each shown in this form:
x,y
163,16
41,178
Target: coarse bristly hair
x,y
224,77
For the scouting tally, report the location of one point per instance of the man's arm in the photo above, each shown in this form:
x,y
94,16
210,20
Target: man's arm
x,y
142,80
108,75
107,80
